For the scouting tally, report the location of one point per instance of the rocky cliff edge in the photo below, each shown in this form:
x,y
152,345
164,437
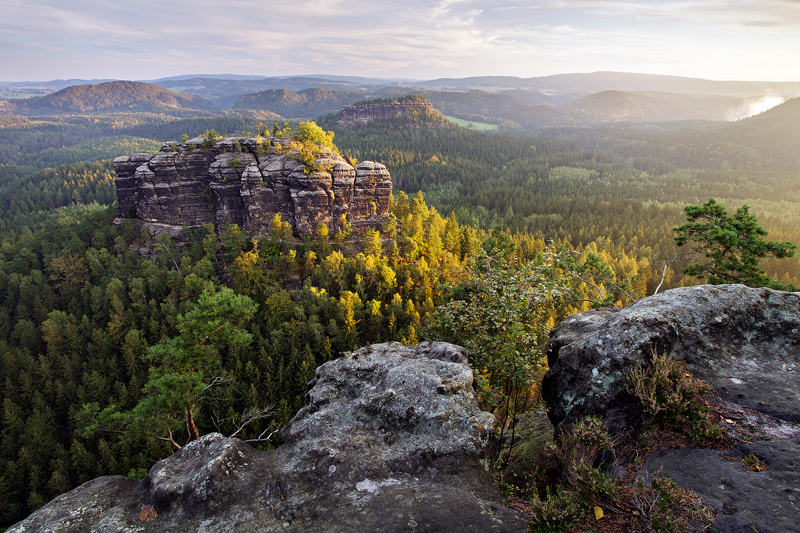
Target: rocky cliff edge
x,y
746,344
390,439
247,181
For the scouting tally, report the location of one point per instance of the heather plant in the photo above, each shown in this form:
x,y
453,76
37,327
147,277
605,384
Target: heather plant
x,y
586,485
579,452
555,513
666,508
672,398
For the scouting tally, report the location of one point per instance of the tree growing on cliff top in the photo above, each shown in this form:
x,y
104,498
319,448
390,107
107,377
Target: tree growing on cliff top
x,y
310,133
733,245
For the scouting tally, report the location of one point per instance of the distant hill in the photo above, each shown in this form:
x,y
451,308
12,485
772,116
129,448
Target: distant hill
x,y
624,106
775,134
537,97
226,93
410,110
115,96
307,103
504,110
621,81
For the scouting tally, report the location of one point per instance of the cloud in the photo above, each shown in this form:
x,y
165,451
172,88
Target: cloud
x,y
146,39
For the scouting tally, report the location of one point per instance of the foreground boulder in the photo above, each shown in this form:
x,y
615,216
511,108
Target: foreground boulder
x,y
767,501
390,439
744,342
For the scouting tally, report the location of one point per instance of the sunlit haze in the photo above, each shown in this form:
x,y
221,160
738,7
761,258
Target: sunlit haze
x,y
145,39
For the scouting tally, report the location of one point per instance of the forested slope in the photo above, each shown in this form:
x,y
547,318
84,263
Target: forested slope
x,y
127,96
83,300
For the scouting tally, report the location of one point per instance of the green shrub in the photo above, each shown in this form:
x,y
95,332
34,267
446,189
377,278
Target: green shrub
x,y
671,398
211,138
554,514
751,462
578,453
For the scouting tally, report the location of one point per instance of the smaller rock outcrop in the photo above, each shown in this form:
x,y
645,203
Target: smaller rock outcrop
x,y
247,181
744,342
390,439
362,113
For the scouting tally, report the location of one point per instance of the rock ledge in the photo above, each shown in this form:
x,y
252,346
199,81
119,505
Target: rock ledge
x,y
391,439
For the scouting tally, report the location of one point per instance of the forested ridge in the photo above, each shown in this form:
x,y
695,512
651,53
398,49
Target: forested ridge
x,y
557,189
110,96
83,301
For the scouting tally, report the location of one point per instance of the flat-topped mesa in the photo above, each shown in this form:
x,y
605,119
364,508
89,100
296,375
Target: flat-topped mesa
x,y
247,181
369,111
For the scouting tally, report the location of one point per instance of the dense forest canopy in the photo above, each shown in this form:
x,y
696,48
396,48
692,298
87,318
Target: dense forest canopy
x,y
87,307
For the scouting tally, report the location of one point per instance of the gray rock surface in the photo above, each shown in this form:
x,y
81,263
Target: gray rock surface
x,y
241,181
744,342
390,439
744,500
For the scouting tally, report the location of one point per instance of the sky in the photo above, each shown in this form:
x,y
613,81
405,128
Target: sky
x,y
410,40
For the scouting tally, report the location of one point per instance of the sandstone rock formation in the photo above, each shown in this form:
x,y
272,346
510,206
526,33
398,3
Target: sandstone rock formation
x,y
243,181
367,112
744,500
390,439
744,342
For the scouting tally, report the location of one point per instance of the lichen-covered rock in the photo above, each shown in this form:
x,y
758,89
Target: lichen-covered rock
x,y
242,181
744,342
390,439
353,114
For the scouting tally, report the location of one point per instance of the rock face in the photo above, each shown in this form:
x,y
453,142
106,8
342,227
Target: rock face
x,y
744,342
243,181
390,439
363,113
744,500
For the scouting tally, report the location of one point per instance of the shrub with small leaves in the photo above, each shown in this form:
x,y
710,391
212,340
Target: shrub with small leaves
x,y
586,484
579,453
666,508
556,513
671,398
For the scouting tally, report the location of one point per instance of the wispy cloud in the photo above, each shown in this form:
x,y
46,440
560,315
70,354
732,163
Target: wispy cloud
x,y
142,39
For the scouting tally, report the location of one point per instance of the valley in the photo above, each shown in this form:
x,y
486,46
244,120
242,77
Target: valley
x,y
580,176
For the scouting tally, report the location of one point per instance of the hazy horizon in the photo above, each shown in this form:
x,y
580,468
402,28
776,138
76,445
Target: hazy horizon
x,y
742,40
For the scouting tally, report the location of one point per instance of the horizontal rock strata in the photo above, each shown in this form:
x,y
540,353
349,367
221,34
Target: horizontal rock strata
x,y
363,113
243,181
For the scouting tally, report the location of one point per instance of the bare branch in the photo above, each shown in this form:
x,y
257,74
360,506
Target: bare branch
x,y
260,437
251,415
670,261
